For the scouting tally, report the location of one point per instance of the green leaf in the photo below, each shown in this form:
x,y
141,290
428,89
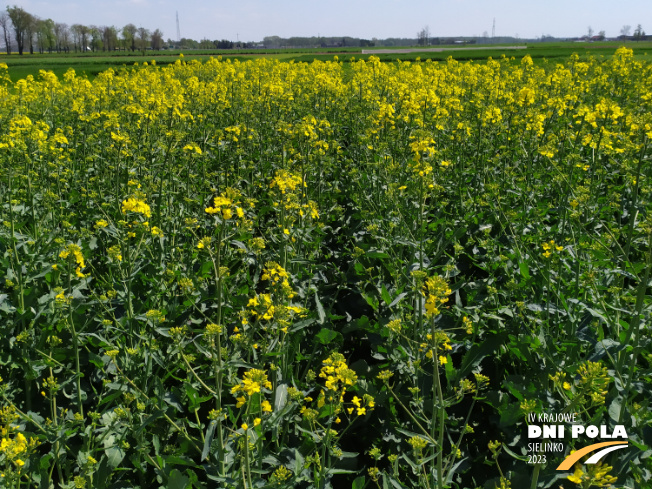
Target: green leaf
x,y
153,417
239,244
522,458
453,471
385,295
193,397
280,397
449,369
398,298
341,471
371,301
177,480
476,354
44,462
596,314
396,484
114,456
325,336
173,400
208,439
358,483
525,271
614,408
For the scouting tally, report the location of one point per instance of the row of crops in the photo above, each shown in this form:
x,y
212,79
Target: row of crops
x,y
266,274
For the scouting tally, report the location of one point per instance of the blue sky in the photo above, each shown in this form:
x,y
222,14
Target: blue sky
x,y
251,20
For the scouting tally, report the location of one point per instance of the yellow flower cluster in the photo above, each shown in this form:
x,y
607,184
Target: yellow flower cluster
x,y
74,251
360,405
138,206
14,446
226,206
443,343
278,277
337,374
274,273
436,291
261,307
550,247
285,181
591,387
289,189
596,475
418,443
594,381
192,148
253,381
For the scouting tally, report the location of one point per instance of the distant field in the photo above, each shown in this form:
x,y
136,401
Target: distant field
x,y
91,64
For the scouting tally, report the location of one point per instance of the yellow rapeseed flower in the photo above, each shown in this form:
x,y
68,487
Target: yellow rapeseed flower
x,y
136,205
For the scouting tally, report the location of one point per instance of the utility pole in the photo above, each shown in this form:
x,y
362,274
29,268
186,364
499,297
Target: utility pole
x,y
178,30
493,31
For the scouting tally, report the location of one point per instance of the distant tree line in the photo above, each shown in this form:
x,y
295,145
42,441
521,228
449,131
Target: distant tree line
x,y
185,43
423,39
639,33
276,42
27,32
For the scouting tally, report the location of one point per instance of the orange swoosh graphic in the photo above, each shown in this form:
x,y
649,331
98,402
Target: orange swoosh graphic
x,y
571,459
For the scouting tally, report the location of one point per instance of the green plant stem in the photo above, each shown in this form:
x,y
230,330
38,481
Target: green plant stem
x,y
439,412
185,360
170,420
634,329
459,441
247,468
409,413
535,476
632,207
217,362
421,237
75,346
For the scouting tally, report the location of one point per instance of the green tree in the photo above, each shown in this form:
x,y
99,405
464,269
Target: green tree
x,y
142,39
157,39
109,37
423,35
62,36
129,36
80,35
76,35
22,22
97,42
45,35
